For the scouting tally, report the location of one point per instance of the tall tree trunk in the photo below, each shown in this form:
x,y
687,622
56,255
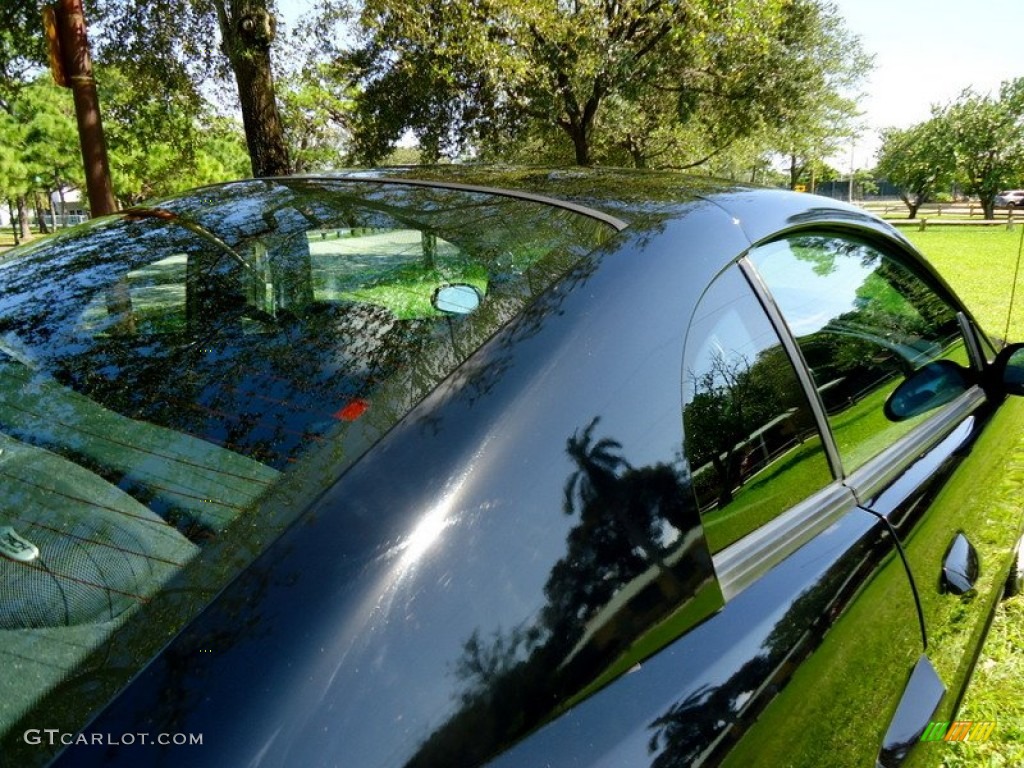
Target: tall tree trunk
x,y
40,216
580,143
794,171
14,218
636,152
26,232
248,28
63,204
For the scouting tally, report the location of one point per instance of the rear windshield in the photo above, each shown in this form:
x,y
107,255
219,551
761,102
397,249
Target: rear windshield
x,y
178,383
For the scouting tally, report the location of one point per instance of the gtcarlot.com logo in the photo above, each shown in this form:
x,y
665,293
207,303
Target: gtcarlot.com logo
x,y
53,737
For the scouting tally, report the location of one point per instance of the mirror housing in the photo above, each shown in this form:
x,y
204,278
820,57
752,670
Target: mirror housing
x,y
930,386
1009,369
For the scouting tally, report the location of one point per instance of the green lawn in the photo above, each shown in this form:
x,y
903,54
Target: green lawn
x,y
979,265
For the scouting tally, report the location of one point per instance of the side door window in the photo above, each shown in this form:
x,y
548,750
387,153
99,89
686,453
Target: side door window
x,y
863,320
785,528
752,441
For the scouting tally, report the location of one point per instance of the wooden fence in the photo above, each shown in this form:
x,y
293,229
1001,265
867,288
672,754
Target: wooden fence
x,y
943,215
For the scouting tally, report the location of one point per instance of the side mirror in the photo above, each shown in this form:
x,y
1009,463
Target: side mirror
x,y
930,386
1009,369
456,299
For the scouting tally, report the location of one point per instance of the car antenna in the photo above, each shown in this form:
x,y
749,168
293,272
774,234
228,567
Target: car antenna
x,y
1013,287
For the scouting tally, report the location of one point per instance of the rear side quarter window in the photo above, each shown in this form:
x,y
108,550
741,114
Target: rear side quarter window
x,y
752,442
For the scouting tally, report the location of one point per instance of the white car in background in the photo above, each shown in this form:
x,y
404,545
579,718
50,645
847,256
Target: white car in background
x,y
1012,198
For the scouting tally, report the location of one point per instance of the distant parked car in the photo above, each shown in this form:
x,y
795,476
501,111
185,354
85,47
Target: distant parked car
x,y
1012,198
453,467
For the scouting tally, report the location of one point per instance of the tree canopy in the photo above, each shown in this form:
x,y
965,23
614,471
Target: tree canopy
x,y
986,136
632,82
918,160
976,140
162,142
315,113
21,47
641,79
177,44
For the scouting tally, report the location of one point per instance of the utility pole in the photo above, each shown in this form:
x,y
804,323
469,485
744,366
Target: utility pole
x,y
64,22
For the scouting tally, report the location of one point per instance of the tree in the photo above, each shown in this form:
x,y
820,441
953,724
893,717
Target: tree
x,y
986,135
22,52
174,45
162,141
625,76
221,153
39,149
22,49
315,113
918,160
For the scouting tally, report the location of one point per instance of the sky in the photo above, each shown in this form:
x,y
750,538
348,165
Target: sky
x,y
926,53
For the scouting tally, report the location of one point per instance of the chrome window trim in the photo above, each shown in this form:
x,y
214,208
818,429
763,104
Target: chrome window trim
x,y
740,564
878,472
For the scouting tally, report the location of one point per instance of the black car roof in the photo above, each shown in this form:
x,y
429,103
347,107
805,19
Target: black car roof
x,y
638,196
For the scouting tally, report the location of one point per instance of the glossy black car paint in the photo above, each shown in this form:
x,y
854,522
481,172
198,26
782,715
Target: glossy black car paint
x,y
356,638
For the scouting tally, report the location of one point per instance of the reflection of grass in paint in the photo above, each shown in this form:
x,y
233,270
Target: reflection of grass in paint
x,y
791,477
835,708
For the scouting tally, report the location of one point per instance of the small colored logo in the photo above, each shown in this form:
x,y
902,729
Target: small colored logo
x,y
960,730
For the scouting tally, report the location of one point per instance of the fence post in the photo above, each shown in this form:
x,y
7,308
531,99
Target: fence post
x,y
922,224
1009,218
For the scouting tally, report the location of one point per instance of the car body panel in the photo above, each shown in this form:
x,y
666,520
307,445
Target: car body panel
x,y
516,573
355,590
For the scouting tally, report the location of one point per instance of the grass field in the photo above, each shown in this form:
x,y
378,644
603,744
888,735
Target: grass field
x,y
979,265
